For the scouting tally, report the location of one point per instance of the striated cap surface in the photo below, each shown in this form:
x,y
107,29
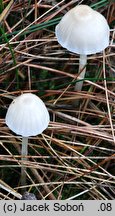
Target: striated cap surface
x,y
83,30
27,115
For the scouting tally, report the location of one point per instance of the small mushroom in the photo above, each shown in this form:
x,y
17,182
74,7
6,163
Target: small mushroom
x,y
84,31
27,116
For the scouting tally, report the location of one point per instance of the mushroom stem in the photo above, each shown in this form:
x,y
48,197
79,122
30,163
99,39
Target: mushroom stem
x,y
24,153
82,69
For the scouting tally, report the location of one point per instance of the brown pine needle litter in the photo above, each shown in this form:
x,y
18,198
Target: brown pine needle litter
x,y
74,158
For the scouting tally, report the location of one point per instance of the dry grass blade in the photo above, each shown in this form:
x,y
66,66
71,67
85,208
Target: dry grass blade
x,y
6,11
9,190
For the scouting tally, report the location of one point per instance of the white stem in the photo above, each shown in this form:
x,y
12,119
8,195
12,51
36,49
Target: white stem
x,y
82,69
24,153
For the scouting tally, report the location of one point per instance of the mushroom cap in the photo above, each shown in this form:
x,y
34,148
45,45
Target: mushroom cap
x,y
83,30
27,115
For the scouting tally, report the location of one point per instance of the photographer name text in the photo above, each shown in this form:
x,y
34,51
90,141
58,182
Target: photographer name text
x,y
56,207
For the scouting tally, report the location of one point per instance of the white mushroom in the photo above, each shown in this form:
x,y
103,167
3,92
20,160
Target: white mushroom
x,y
84,31
27,116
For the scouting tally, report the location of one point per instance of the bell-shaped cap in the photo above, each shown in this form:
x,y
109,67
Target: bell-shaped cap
x,y
27,115
83,30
